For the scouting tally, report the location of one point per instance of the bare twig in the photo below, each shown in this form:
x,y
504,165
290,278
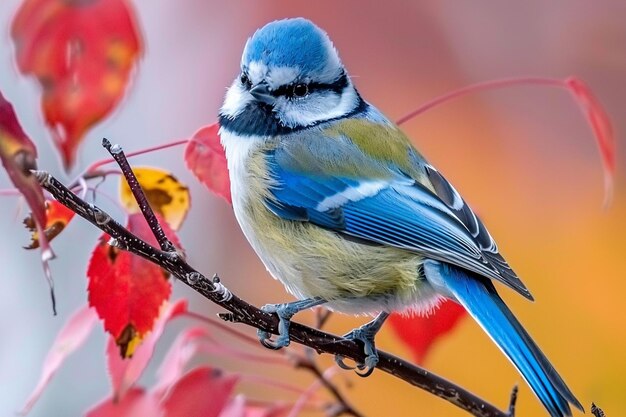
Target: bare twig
x,y
513,401
307,362
321,317
239,311
342,405
117,153
597,411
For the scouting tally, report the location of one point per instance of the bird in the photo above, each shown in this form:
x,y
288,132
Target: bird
x,y
345,212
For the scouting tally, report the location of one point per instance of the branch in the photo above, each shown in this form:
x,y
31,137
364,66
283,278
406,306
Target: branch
x,y
597,411
240,311
118,154
513,401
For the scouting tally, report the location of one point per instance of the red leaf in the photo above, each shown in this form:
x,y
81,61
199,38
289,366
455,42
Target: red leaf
x,y
205,157
70,338
126,290
18,155
202,392
125,372
602,129
57,218
420,333
82,53
135,404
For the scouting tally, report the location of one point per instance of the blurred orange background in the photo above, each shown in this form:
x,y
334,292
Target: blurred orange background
x,y
524,158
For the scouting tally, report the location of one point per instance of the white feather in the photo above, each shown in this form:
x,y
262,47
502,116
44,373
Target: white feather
x,y
361,191
238,151
236,100
279,76
256,72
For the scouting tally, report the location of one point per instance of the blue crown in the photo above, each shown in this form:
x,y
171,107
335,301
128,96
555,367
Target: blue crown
x,y
295,43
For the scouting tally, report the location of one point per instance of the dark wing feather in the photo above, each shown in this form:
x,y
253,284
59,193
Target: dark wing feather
x,y
474,225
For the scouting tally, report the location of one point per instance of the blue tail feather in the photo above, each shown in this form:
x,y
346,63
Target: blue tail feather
x,y
480,299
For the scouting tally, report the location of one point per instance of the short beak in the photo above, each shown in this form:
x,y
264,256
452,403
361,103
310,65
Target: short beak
x,y
261,92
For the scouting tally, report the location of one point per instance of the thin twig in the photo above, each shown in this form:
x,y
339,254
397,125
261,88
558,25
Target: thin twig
x,y
321,317
513,401
597,411
91,169
240,311
344,407
306,397
117,153
271,382
307,361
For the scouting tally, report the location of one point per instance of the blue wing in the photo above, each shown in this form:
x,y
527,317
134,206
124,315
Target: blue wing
x,y
381,204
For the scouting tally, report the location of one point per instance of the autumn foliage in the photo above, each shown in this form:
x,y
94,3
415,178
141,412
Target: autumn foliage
x,y
127,291
83,56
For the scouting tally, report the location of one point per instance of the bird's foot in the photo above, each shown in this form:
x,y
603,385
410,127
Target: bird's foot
x,y
284,312
366,335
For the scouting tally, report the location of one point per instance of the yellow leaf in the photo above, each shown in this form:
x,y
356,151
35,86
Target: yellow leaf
x,y
167,196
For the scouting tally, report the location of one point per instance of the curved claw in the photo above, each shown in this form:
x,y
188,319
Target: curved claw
x,y
340,363
367,367
371,360
266,341
366,373
366,335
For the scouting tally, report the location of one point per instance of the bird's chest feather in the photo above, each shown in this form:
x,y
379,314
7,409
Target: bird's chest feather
x,y
311,261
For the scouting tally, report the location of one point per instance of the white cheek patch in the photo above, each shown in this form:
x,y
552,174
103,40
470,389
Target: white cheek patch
x,y
236,100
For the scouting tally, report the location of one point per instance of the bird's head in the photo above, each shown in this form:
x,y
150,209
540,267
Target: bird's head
x,y
291,78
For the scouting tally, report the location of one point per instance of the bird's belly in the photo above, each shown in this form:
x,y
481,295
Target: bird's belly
x,y
313,262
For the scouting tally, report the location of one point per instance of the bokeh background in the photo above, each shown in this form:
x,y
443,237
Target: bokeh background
x,y
524,158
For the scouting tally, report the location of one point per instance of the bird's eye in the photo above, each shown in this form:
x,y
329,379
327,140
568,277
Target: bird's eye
x,y
299,90
245,81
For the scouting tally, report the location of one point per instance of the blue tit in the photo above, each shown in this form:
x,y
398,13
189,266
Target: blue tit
x,y
345,212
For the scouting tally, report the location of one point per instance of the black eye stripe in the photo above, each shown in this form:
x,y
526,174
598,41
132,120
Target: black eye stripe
x,y
336,86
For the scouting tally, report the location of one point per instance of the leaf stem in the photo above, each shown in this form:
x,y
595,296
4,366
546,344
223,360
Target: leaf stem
x,y
168,145
478,87
91,170
10,192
